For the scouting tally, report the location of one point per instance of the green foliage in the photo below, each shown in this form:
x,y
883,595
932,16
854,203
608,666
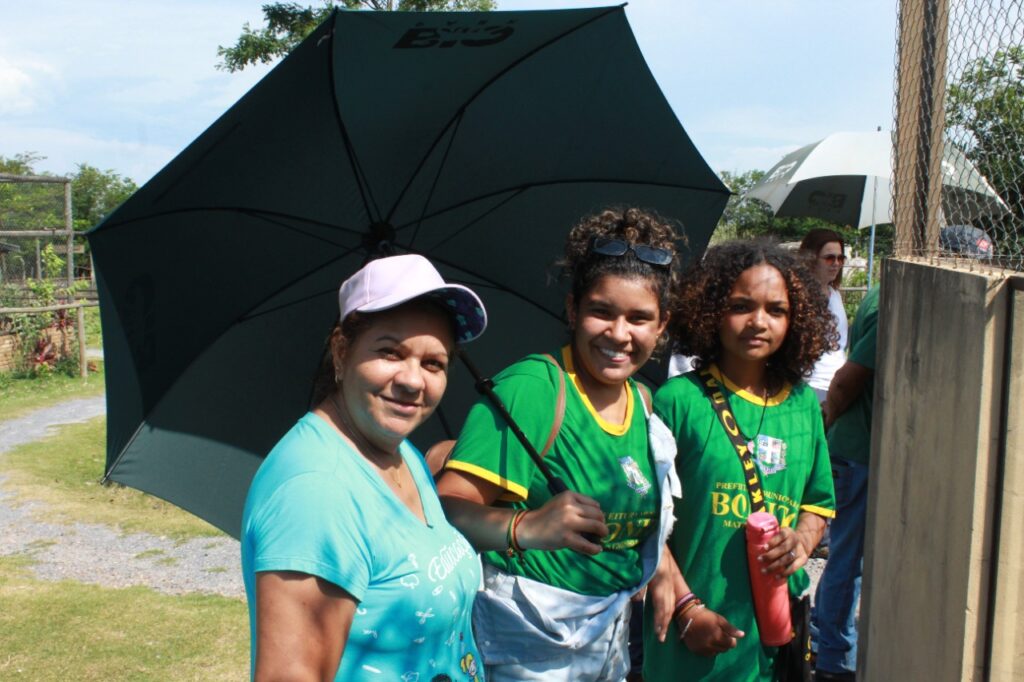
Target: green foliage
x,y
287,23
987,102
36,353
95,193
29,206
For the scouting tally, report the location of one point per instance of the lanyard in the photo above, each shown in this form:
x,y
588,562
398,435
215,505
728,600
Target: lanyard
x,y
721,405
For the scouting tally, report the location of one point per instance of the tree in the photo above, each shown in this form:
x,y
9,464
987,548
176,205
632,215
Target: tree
x,y
33,206
28,206
987,102
95,193
288,23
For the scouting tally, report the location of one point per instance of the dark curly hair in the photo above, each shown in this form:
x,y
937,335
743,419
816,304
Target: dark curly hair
x,y
584,268
704,289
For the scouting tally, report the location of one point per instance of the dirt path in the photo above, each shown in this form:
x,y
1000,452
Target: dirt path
x,y
98,554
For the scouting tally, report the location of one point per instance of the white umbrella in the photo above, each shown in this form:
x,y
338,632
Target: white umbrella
x,y
846,178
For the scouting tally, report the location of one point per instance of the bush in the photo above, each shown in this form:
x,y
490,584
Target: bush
x,y
36,352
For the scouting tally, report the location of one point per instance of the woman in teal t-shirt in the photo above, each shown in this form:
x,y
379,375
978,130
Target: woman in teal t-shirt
x,y
351,570
755,321
562,614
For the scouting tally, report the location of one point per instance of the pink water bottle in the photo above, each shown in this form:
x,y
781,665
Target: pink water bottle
x,y
771,594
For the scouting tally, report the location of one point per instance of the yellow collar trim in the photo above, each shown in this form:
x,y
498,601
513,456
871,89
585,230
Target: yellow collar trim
x,y
606,426
773,401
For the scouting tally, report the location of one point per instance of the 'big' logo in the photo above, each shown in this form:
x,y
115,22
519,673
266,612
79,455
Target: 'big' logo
x,y
452,34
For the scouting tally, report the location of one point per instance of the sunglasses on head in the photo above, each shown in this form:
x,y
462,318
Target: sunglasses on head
x,y
833,258
606,246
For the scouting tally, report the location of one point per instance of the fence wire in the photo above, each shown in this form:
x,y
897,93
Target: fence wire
x,y
29,204
970,192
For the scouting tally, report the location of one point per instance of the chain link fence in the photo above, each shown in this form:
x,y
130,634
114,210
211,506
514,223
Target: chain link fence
x,y
35,230
38,293
959,166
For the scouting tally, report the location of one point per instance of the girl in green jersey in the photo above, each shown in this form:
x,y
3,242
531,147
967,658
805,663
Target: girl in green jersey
x,y
756,321
563,613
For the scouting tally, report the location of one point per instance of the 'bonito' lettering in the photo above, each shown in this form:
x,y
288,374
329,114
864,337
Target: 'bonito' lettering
x,y
442,565
738,506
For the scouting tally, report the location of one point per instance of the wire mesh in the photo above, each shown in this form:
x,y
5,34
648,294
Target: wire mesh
x,y
960,156
27,207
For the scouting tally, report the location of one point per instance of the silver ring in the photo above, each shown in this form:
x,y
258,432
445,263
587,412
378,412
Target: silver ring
x,y
792,554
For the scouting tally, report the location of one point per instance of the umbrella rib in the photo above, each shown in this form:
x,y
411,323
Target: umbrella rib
x,y
474,221
485,280
364,186
124,450
516,190
209,150
255,212
433,185
249,315
488,281
460,112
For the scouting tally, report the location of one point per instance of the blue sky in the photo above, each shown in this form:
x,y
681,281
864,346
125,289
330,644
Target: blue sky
x,y
127,85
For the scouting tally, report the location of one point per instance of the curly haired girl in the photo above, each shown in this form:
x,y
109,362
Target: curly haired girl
x,y
563,613
756,321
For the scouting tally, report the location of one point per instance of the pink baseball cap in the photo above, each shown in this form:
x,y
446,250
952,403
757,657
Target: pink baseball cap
x,y
389,282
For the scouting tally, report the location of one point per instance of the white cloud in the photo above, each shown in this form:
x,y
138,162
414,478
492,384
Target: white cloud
x,y
15,86
23,85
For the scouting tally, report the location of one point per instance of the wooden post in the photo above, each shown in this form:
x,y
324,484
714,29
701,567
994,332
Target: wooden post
x,y
70,227
83,362
920,122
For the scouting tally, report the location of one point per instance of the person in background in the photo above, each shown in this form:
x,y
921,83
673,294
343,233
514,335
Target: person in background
x,y
556,598
825,253
351,569
755,321
847,414
824,250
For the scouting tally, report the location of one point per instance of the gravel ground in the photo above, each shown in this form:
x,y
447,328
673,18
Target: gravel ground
x,y
98,554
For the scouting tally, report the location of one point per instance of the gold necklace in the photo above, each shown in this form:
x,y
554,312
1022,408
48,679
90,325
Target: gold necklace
x,y
362,442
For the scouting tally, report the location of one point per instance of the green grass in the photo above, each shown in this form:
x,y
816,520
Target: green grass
x,y
64,472
69,631
21,394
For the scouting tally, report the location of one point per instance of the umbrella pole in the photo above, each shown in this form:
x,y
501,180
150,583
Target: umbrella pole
x,y
871,241
871,253
485,386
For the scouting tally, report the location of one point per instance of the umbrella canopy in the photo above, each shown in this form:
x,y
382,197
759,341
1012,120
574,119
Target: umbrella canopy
x,y
846,179
476,139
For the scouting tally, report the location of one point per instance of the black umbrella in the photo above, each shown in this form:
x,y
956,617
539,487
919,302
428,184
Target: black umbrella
x,y
476,139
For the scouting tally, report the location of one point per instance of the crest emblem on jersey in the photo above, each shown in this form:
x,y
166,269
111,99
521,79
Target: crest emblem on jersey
x,y
634,477
770,454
